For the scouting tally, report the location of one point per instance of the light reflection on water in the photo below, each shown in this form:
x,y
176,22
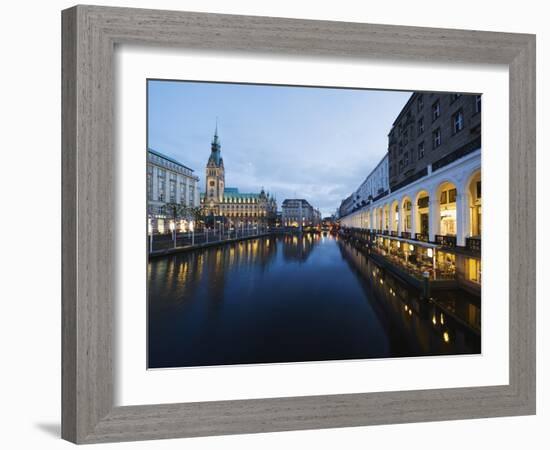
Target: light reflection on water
x,y
294,298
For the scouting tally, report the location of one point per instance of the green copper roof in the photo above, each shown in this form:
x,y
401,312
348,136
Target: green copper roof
x,y
215,150
231,192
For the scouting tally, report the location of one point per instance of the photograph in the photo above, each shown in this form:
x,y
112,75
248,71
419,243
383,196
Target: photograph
x,y
291,224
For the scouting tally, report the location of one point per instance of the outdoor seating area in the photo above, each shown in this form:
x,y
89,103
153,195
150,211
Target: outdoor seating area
x,y
417,258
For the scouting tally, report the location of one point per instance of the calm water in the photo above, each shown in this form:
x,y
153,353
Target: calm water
x,y
290,298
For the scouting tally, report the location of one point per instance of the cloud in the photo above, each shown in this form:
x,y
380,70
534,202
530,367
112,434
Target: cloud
x,y
317,144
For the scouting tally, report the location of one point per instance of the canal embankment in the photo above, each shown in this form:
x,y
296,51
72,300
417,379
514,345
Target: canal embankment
x,y
203,245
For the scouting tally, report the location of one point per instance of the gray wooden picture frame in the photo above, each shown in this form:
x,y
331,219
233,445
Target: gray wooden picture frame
x,y
90,34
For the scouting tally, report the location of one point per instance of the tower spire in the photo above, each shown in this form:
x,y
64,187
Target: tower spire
x,y
216,140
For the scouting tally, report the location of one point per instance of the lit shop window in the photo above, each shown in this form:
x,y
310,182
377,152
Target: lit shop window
x,y
474,270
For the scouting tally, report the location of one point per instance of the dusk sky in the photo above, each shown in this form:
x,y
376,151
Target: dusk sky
x,y
312,143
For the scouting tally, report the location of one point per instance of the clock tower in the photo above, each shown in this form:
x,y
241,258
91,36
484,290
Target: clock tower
x,y
215,175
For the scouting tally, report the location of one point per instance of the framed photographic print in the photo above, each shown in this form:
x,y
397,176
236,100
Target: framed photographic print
x,y
276,224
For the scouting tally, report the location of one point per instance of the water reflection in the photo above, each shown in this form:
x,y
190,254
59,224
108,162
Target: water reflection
x,y
448,324
299,247
294,298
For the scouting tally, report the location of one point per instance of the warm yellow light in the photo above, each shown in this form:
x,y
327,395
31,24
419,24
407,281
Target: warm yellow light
x,y
191,226
398,244
446,337
434,320
411,248
410,312
172,225
381,281
430,253
441,319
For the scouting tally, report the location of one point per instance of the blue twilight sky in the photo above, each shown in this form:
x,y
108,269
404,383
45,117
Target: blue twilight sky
x,y
312,143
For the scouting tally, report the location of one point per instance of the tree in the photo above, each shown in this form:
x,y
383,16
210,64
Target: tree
x,y
174,211
196,214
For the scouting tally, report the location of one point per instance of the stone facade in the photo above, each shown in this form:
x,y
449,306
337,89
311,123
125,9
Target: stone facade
x,y
168,181
432,129
298,212
219,201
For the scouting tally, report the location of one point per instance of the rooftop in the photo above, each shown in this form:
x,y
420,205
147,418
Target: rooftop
x,y
167,158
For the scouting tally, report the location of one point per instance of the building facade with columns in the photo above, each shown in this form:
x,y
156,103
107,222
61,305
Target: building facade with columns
x,y
441,211
437,205
375,186
168,181
219,202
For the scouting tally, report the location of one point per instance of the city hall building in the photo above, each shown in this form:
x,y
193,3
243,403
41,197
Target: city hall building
x,y
228,203
430,220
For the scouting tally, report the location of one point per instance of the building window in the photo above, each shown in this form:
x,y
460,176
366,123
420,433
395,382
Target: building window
x,y
421,150
436,111
400,166
172,188
458,121
161,185
420,103
406,159
183,193
452,195
149,182
454,97
478,103
436,138
448,196
405,137
473,267
420,126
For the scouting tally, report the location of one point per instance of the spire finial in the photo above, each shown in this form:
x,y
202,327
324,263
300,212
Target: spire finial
x,y
216,140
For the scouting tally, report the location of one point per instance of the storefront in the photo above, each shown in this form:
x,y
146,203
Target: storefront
x,y
417,258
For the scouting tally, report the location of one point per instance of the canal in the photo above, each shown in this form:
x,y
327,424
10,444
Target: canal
x,y
291,298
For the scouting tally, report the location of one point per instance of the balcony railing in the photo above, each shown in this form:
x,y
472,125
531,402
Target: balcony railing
x,y
457,154
405,235
411,179
445,241
473,244
393,233
421,237
386,232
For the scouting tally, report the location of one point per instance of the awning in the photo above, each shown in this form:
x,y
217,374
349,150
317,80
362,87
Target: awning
x,y
410,241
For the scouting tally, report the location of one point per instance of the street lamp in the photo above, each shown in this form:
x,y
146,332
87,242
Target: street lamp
x,y
172,229
150,231
192,229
